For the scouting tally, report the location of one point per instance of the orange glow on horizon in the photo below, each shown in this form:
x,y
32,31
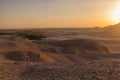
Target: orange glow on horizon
x,y
56,14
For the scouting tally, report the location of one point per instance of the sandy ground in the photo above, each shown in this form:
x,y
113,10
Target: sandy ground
x,y
63,55
61,71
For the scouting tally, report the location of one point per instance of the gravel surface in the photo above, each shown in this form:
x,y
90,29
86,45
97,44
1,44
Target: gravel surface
x,y
61,71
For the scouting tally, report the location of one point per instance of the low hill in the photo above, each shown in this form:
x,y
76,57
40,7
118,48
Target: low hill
x,y
113,30
82,45
115,27
50,51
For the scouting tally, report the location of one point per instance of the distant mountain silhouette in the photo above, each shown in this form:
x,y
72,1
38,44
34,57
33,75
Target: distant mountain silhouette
x,y
112,30
115,27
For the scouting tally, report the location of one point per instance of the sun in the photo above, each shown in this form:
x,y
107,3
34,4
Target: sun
x,y
116,14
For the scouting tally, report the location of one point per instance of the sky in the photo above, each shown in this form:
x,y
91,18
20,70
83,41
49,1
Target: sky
x,y
56,13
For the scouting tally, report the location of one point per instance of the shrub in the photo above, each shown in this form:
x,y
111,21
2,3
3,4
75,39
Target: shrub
x,y
32,36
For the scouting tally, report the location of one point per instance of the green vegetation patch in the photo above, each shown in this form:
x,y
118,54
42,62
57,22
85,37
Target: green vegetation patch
x,y
32,36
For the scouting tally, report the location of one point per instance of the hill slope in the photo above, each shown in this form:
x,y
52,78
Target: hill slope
x,y
50,51
113,30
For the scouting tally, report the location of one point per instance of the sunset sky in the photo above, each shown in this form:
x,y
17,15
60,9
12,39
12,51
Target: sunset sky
x,y
57,13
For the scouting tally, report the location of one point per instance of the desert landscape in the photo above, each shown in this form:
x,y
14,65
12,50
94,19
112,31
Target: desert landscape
x,y
59,39
60,54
